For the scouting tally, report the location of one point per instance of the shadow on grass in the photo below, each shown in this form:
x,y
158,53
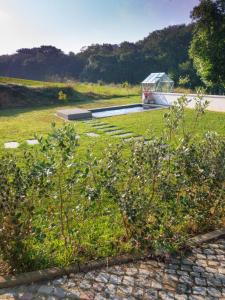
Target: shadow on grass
x,y
14,98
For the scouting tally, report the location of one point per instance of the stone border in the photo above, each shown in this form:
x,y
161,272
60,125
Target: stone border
x,y
51,273
191,95
93,110
207,237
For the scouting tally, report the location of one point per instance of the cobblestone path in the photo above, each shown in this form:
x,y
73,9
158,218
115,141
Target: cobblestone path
x,y
198,276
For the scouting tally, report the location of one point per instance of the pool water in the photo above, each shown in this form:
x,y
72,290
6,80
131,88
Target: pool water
x,y
117,111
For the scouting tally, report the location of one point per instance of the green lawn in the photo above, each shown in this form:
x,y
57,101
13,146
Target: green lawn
x,y
101,231
21,124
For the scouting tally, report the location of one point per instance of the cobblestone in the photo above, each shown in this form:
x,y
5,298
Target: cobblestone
x,y
200,275
199,290
200,281
214,292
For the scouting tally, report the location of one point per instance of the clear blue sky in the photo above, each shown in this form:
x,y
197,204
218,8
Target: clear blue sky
x,y
71,24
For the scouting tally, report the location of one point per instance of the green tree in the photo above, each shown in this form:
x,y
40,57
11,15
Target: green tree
x,y
163,50
208,44
184,81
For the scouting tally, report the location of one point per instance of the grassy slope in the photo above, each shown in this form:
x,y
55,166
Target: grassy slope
x,y
98,232
21,124
78,86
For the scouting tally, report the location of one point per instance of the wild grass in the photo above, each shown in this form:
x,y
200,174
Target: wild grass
x,y
21,124
85,87
100,232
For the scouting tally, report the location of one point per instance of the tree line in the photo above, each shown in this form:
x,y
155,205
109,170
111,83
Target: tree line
x,y
193,55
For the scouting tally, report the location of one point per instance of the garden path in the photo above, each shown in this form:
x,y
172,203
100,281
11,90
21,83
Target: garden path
x,y
112,130
200,275
104,128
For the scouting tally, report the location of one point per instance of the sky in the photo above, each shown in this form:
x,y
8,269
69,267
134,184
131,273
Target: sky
x,y
72,24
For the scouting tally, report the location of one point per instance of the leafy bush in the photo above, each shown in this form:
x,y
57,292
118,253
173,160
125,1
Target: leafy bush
x,y
62,96
55,209
168,187
57,155
16,211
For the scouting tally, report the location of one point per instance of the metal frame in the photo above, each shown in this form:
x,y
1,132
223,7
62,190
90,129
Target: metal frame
x,y
155,82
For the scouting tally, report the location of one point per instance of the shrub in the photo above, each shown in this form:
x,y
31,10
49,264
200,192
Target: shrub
x,y
184,81
55,209
62,96
167,188
27,189
16,211
57,151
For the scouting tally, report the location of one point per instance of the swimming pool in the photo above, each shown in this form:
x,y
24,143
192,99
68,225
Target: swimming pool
x,y
119,110
81,114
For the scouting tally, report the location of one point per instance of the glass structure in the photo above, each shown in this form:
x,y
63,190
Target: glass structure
x,y
156,82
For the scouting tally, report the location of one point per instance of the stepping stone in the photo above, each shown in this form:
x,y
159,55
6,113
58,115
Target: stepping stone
x,y
100,124
90,122
92,134
124,134
112,130
134,138
108,128
115,132
32,142
11,145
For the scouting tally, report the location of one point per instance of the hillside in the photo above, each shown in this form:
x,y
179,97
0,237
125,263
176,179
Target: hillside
x,y
16,93
162,50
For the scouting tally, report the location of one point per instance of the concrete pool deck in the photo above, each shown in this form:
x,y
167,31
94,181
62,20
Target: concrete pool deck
x,y
74,114
81,114
216,102
162,100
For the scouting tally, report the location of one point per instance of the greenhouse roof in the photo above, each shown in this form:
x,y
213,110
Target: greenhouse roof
x,y
155,77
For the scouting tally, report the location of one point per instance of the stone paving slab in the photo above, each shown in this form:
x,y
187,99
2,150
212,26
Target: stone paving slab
x,y
74,114
32,142
134,138
100,124
126,134
11,145
115,132
108,128
197,276
111,130
92,134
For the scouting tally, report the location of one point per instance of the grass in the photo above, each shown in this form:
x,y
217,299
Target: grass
x,y
103,230
24,123
112,89
21,124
